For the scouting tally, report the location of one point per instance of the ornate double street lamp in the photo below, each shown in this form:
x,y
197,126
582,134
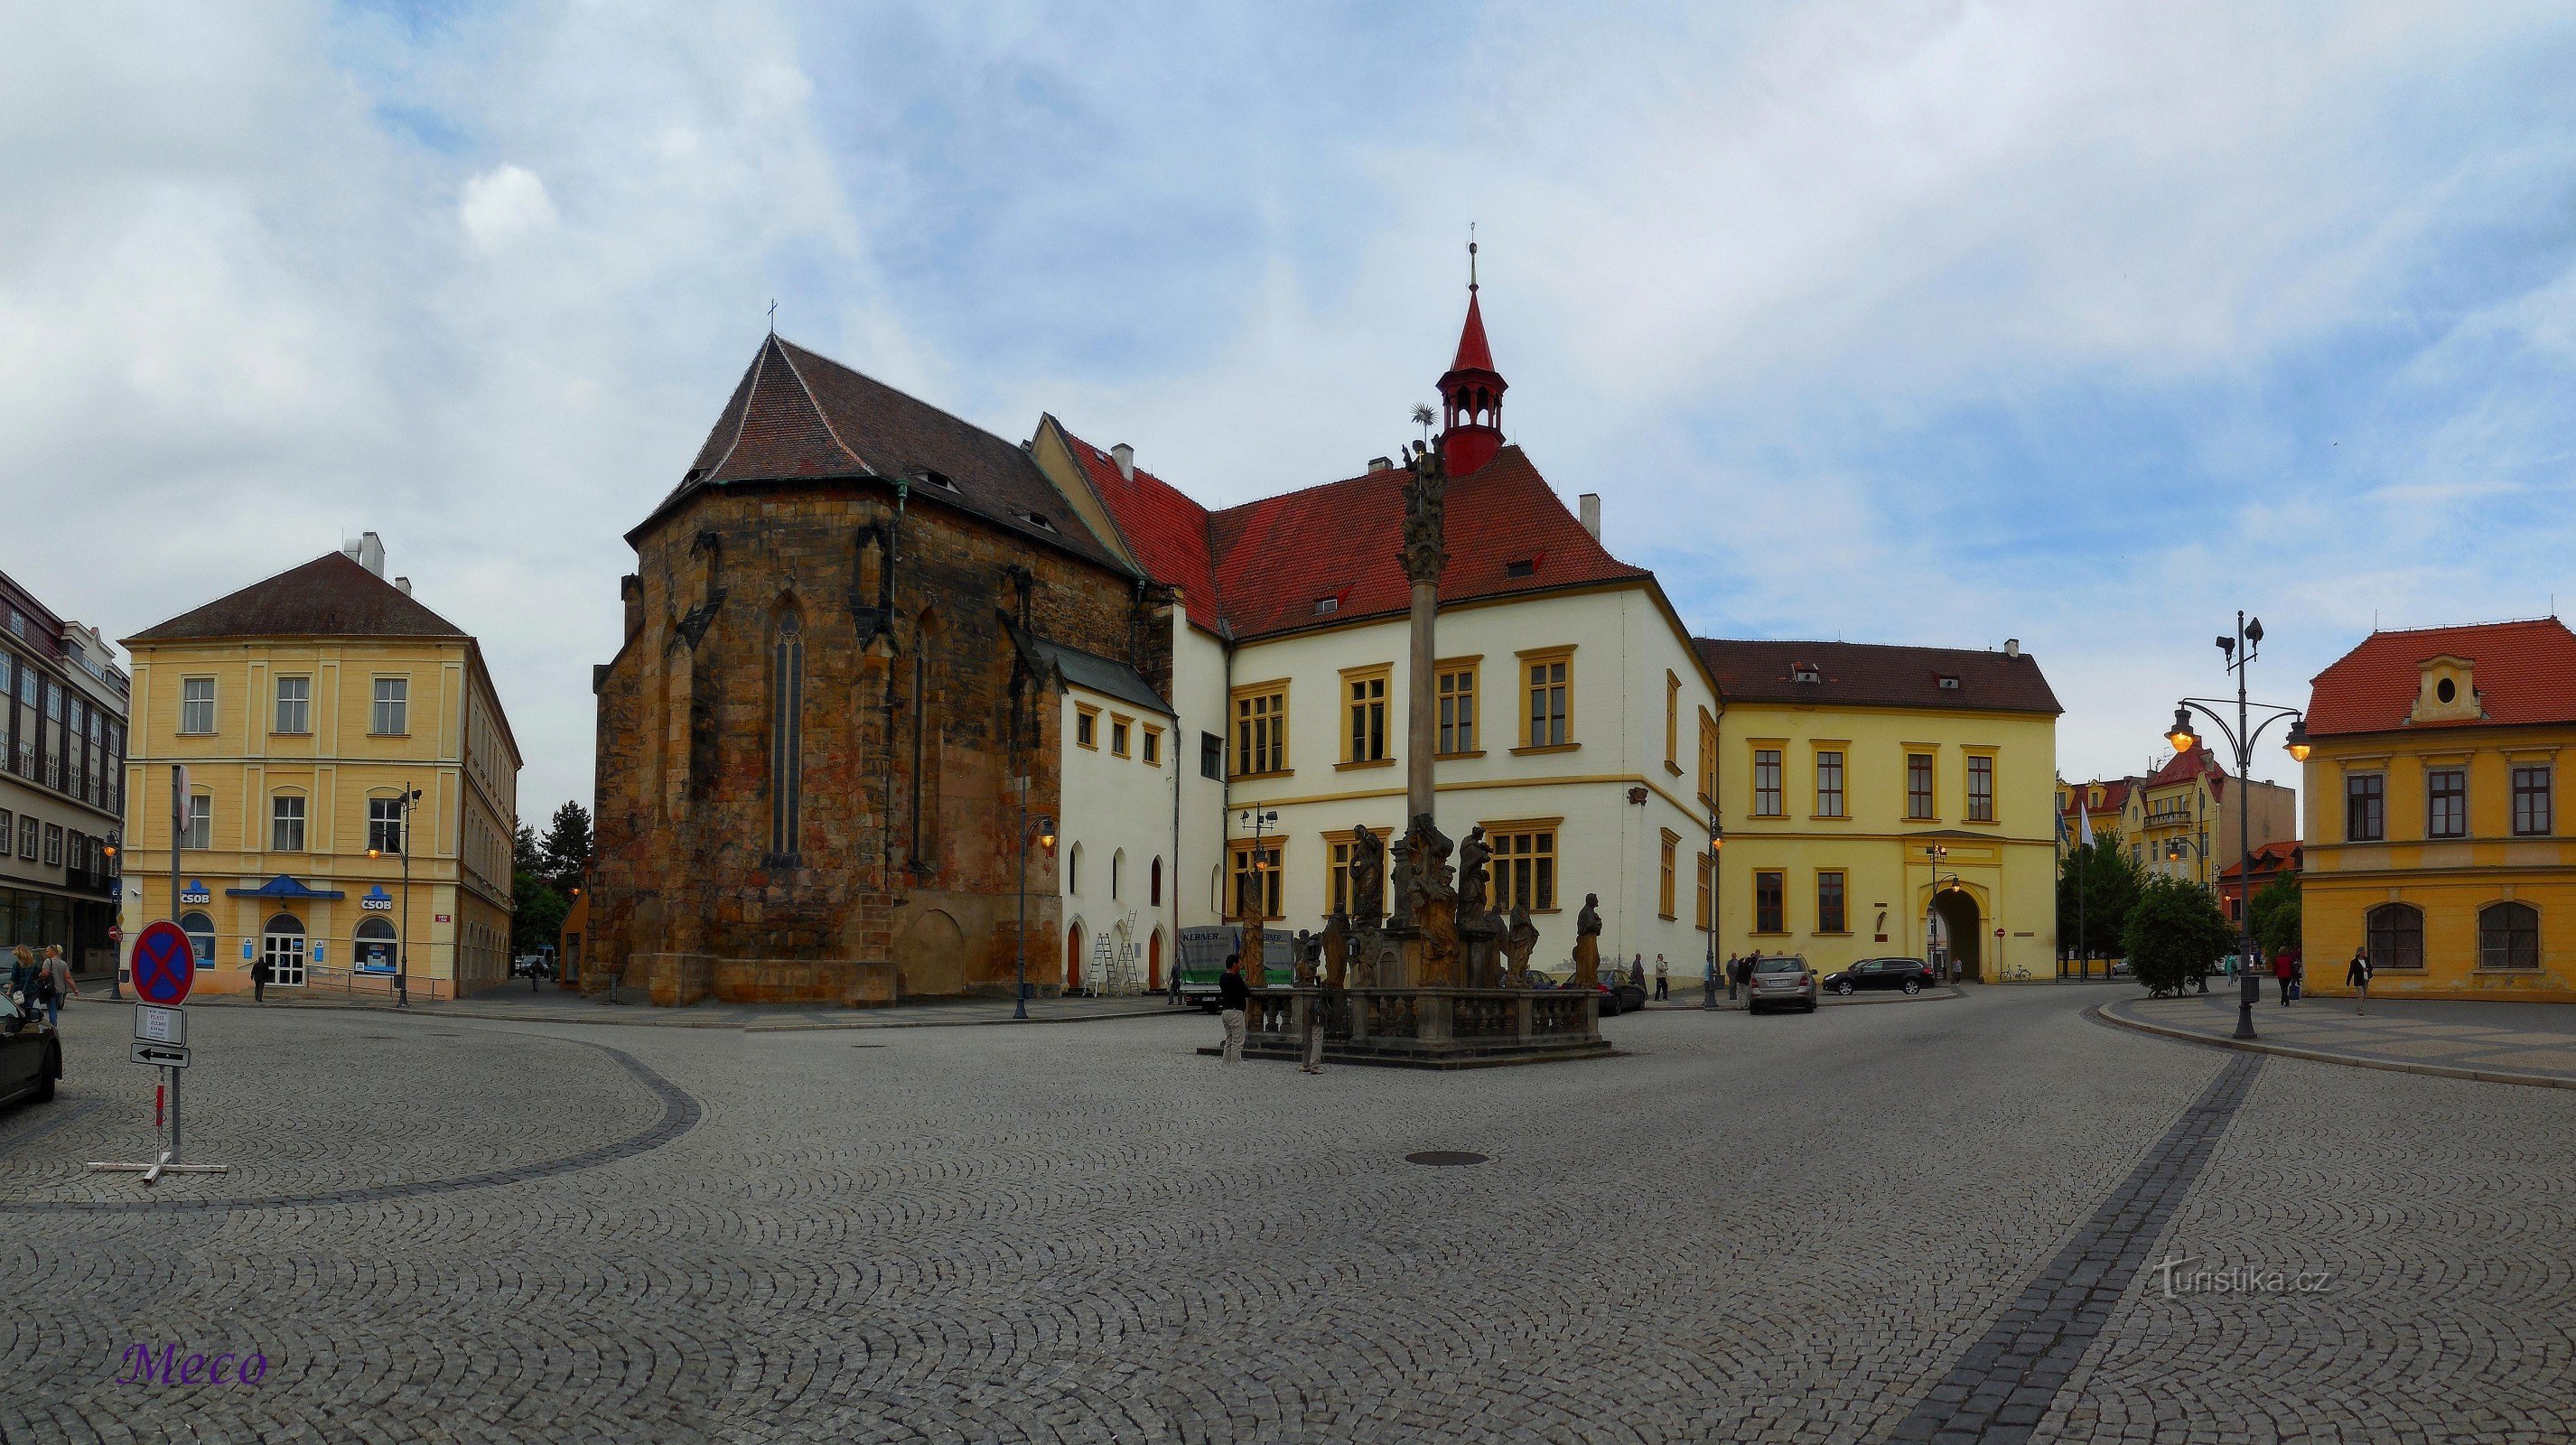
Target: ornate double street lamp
x,y
2239,651
1937,854
1252,900
1041,831
401,841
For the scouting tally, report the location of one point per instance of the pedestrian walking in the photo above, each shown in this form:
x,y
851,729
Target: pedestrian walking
x,y
2358,976
259,981
1637,971
1663,978
54,984
22,976
1172,984
1233,997
2281,974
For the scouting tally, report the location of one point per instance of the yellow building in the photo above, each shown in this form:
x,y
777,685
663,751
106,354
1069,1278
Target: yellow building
x,y
1886,801
2432,814
304,708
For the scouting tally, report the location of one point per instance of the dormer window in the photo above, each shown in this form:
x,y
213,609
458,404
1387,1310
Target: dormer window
x,y
1324,605
939,480
2447,691
1949,683
1525,567
1805,672
1037,520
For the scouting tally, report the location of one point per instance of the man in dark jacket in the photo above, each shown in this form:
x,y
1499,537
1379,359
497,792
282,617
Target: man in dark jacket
x,y
2358,976
1234,997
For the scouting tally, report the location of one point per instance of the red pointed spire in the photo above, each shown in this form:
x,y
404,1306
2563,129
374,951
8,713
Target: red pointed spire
x,y
1471,393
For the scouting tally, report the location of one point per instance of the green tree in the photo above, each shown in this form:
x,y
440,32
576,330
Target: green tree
x,y
2276,914
2174,931
567,847
2107,883
539,919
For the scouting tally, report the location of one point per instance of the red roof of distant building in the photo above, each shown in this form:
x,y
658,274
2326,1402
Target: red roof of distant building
x,y
2115,795
2200,760
2277,857
1262,567
2525,673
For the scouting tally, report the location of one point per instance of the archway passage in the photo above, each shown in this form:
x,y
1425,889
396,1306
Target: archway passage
x,y
1962,931
930,957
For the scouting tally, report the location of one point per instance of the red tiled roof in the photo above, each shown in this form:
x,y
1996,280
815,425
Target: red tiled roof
x,y
330,596
2526,673
2200,760
1473,353
2270,858
1261,567
1167,532
2115,795
1876,674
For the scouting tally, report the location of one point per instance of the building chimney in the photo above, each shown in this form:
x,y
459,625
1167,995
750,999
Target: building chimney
x,y
403,585
2012,647
1380,464
1589,505
367,551
1125,456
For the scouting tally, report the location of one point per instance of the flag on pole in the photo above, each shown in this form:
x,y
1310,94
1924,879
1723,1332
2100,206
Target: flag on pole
x,y
2084,825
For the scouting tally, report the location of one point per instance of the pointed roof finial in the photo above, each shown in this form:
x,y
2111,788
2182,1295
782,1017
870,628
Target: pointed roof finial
x,y
773,316
1471,255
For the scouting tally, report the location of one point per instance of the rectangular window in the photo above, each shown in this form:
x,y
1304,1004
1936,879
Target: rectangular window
x,y
1829,902
1212,757
1829,784
1769,914
201,822
1766,783
2364,807
384,824
1707,758
1086,726
1153,747
28,832
1337,882
1918,787
1673,721
1457,689
1364,717
294,705
393,707
1119,732
197,706
1981,789
2446,803
1261,732
2531,811
1548,681
286,824
1664,888
1707,890
1524,867
1256,879
53,845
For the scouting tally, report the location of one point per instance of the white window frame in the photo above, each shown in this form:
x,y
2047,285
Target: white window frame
x,y
201,822
284,808
302,718
392,693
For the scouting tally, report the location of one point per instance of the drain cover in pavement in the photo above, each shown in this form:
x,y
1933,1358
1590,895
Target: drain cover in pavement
x,y
1444,1156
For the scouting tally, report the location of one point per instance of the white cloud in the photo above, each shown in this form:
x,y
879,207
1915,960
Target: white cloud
x,y
504,205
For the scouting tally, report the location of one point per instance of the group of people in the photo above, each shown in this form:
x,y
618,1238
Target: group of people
x,y
41,982
2291,973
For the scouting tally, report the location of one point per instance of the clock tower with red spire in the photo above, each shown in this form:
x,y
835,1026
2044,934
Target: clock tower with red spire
x,y
1471,393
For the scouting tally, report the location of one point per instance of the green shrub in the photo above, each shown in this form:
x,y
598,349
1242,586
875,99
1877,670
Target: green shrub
x,y
2175,930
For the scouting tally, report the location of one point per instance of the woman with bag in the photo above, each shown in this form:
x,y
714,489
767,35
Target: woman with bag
x,y
53,984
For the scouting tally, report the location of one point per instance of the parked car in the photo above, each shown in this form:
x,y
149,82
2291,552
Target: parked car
x,y
1620,997
31,1056
1782,979
1912,975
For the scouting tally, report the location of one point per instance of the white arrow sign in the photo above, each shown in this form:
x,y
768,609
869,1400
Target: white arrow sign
x,y
167,1056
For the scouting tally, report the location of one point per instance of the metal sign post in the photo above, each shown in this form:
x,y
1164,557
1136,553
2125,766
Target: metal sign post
x,y
165,968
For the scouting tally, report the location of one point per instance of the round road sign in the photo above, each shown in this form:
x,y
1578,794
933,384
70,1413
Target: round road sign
x,y
165,967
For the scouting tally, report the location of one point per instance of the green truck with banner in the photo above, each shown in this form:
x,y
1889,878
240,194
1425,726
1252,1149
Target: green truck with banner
x,y
1203,952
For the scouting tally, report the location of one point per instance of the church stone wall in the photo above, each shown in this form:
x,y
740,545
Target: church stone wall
x,y
917,713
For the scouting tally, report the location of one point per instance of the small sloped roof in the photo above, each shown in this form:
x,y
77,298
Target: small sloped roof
x,y
799,416
1091,671
330,596
1877,674
2525,673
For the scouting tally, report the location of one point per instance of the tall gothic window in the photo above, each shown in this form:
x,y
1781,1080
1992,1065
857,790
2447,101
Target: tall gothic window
x,y
786,731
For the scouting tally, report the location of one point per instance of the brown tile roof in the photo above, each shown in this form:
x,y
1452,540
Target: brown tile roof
x,y
330,596
2115,794
2269,858
1877,675
798,416
2525,673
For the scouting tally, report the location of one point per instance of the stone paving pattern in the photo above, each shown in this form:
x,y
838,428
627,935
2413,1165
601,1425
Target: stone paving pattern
x,y
1788,1227
2508,1038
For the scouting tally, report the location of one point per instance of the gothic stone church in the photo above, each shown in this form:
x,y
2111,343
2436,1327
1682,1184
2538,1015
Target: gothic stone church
x,y
847,641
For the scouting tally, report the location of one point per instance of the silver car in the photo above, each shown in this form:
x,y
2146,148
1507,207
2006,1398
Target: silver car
x,y
1783,980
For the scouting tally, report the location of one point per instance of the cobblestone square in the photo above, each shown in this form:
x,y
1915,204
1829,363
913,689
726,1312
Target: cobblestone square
x,y
1848,1226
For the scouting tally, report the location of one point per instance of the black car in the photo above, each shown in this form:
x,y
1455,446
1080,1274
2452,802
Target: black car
x,y
1910,974
1619,996
31,1057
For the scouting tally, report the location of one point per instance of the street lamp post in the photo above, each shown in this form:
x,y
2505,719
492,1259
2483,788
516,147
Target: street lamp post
x,y
1936,854
1044,833
401,841
2240,650
1716,841
1252,900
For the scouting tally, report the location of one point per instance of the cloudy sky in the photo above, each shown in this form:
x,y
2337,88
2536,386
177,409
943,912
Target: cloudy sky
x,y
1933,323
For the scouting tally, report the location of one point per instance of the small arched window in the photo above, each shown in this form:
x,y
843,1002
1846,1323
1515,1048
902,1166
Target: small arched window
x,y
1117,868
2508,936
201,937
1073,869
1154,885
2394,934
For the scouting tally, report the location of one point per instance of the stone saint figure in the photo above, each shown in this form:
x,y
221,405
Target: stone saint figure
x,y
1402,850
1587,943
1473,852
1368,877
1336,943
1305,971
1518,943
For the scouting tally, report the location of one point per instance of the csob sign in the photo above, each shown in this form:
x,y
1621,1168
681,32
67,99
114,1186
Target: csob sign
x,y
376,900
196,892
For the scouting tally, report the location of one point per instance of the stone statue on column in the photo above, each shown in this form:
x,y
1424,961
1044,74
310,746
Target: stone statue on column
x,y
1587,943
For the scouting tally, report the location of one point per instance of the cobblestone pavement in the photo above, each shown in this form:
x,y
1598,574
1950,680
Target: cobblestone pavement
x,y
1791,1227
2500,1040
517,1003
